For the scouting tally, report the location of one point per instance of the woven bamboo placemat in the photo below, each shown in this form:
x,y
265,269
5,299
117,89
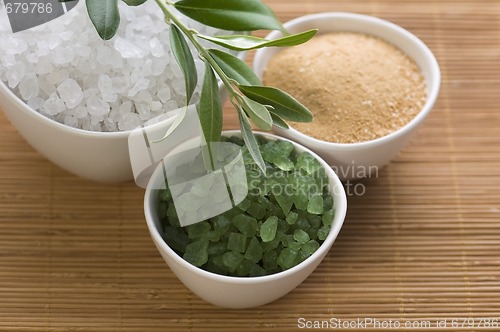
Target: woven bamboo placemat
x,y
421,245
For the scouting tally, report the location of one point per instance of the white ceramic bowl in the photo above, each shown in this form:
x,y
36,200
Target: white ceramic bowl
x,y
98,156
352,160
239,292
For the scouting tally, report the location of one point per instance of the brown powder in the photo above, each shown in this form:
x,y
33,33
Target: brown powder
x,y
358,87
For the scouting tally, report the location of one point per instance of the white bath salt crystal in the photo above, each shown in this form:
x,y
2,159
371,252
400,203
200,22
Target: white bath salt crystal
x,y
46,87
135,75
151,8
32,58
15,75
105,84
164,94
144,23
71,121
85,123
119,84
158,66
57,76
96,127
28,87
143,96
90,92
63,55
103,55
80,112
127,49
114,115
8,60
127,13
14,45
54,105
179,87
35,103
129,121
156,106
177,71
95,119
43,66
157,49
116,60
146,68
71,93
144,110
141,84
110,125
111,98
54,41
83,51
126,107
170,105
66,35
42,48
97,106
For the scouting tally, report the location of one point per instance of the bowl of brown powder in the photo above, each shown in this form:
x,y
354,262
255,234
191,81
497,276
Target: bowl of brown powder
x,y
368,82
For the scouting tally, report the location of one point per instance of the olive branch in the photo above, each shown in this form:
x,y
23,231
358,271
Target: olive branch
x,y
264,106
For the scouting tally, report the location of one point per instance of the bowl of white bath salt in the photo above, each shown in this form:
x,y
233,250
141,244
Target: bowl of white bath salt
x,y
76,98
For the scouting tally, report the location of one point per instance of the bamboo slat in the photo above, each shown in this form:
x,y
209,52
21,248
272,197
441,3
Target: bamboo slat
x,y
421,245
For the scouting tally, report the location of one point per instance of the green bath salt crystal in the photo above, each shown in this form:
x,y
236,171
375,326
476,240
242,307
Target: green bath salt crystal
x,y
254,251
301,236
282,221
315,205
237,242
291,218
232,260
268,229
197,252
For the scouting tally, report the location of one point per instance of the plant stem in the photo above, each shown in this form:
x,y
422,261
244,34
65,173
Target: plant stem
x,y
191,34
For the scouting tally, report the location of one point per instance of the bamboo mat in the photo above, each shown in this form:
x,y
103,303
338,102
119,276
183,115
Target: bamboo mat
x,y
422,244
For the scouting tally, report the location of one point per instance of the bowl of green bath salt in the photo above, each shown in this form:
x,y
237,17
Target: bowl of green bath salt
x,y
239,237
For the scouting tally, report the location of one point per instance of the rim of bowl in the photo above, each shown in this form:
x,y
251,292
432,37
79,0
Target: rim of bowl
x,y
429,56
340,200
111,134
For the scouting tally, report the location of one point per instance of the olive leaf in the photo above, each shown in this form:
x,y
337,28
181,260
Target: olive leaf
x,y
278,121
105,17
258,113
184,58
235,68
134,2
178,120
246,42
238,15
251,141
282,103
210,108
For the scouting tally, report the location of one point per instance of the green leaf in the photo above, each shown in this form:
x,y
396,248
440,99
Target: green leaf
x,y
105,17
283,104
134,2
239,15
235,68
184,58
246,42
178,120
278,121
210,108
258,113
250,141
